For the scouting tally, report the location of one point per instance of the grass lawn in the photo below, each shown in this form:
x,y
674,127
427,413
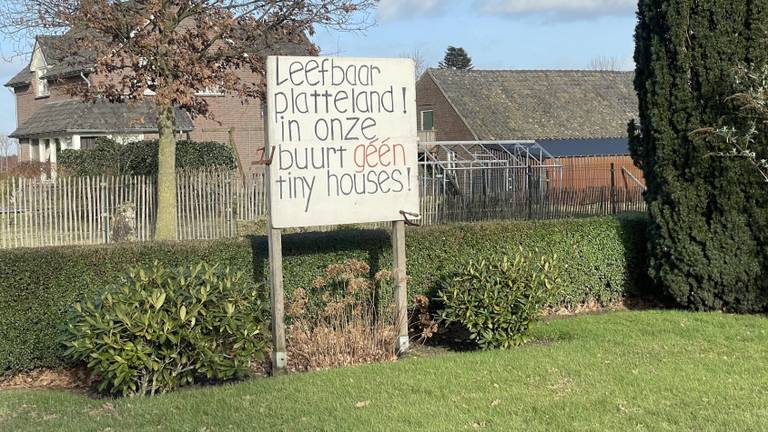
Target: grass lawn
x,y
623,371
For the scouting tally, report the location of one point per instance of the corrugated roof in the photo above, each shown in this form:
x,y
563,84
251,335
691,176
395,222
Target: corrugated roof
x,y
98,117
511,104
586,147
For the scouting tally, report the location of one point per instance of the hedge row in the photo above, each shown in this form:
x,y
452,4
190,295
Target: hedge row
x,y
109,157
604,260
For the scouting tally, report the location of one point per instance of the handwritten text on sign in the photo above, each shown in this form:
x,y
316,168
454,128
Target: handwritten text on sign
x,y
342,134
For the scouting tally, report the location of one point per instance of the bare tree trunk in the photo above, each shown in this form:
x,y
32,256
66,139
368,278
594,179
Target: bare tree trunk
x,y
166,175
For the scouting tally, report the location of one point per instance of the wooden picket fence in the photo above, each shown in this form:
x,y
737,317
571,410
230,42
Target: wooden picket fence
x,y
211,202
98,210
554,204
90,210
71,210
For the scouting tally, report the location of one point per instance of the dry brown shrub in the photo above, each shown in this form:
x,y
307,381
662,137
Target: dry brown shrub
x,y
424,322
346,318
32,169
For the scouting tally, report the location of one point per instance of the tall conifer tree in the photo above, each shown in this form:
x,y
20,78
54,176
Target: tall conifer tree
x,y
456,58
709,229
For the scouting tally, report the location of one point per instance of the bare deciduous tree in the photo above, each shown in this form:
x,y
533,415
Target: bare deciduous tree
x,y
5,151
174,50
418,59
605,63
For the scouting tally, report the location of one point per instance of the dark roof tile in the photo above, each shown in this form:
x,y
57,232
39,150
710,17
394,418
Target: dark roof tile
x,y
511,104
99,117
23,78
66,57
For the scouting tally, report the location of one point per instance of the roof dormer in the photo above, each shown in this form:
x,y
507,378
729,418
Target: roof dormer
x,y
39,67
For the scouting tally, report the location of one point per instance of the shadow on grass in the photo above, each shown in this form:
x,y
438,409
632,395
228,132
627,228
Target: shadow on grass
x,y
454,338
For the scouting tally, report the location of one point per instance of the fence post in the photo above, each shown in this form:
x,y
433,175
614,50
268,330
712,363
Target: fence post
x,y
528,183
230,207
613,188
233,145
105,208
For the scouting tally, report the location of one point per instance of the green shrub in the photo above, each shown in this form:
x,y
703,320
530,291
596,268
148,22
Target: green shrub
x,y
158,329
497,301
140,157
601,260
105,158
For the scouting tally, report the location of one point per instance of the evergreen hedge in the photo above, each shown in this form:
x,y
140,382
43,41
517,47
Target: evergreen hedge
x,y
603,260
140,157
709,214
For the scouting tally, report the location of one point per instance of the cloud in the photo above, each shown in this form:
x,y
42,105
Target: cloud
x,y
396,9
557,9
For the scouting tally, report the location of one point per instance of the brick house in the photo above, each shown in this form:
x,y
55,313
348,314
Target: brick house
x,y
49,119
580,117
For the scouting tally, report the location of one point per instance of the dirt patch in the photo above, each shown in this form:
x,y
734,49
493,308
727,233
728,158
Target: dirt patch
x,y
591,307
78,378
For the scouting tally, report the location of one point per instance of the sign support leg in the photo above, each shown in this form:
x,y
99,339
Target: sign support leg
x,y
276,294
401,287
277,301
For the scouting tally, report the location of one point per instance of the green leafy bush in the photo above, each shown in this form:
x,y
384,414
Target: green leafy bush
x,y
159,329
105,158
601,260
140,157
498,300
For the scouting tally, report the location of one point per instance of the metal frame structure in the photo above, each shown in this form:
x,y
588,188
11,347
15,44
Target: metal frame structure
x,y
512,165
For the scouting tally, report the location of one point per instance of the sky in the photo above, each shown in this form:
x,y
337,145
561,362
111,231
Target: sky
x,y
497,34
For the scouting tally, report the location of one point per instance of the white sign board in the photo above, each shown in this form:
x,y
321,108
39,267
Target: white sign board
x,y
343,142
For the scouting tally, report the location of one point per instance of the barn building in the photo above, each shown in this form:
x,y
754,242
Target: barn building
x,y
579,117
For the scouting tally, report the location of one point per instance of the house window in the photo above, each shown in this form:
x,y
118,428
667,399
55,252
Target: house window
x,y
427,120
42,84
88,142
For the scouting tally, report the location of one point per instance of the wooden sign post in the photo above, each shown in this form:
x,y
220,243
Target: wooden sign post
x,y
342,148
401,286
276,294
277,301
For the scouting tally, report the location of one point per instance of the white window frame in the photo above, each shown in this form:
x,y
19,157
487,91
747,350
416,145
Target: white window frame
x,y
41,89
210,92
